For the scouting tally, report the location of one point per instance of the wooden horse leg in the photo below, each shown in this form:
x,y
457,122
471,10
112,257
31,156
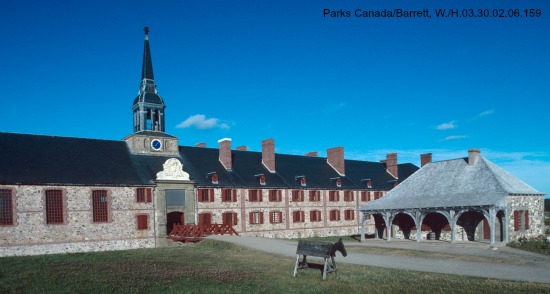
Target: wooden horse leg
x,y
325,269
297,264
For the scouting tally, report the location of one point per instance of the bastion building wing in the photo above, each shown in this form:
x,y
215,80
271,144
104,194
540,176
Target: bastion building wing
x,y
62,194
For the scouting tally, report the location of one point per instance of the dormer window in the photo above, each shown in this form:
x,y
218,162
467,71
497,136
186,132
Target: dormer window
x,y
395,182
303,181
367,182
337,181
261,178
213,177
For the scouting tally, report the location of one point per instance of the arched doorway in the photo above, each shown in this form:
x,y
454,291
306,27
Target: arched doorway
x,y
470,221
436,221
175,217
405,223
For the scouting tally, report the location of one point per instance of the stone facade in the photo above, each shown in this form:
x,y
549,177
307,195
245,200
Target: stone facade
x,y
31,234
535,207
289,227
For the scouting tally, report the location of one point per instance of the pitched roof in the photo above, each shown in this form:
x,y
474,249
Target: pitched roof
x,y
247,166
453,183
43,160
36,159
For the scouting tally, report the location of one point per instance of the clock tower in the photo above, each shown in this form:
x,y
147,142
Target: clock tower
x,y
149,135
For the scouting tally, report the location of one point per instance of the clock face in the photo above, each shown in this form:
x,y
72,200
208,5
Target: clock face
x,y
156,144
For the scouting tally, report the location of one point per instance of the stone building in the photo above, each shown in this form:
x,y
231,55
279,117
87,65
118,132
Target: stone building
x,y
461,199
61,194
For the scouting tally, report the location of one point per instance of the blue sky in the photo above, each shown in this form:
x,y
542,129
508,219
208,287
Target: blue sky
x,y
252,70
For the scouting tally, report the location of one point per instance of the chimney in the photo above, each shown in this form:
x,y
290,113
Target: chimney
x,y
311,154
200,144
473,155
242,148
225,153
391,164
268,154
425,159
335,158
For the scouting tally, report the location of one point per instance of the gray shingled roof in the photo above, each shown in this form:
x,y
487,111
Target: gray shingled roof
x,y
453,183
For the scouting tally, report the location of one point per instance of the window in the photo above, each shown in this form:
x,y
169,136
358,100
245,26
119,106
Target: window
x,y
54,207
276,217
333,196
255,195
142,221
262,180
275,196
521,220
205,218
256,217
335,215
365,196
315,216
348,196
377,195
303,182
298,195
100,206
214,178
229,195
6,208
229,218
206,195
314,195
298,216
143,195
349,214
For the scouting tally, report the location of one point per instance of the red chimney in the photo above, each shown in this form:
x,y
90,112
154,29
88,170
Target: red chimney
x,y
391,164
335,158
201,144
425,159
268,154
225,153
311,154
242,148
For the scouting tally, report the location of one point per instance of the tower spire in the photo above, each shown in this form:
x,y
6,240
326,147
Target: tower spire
x,y
148,106
147,71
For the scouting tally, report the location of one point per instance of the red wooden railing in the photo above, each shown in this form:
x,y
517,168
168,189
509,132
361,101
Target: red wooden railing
x,y
195,233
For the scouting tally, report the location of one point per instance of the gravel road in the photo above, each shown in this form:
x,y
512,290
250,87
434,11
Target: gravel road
x,y
519,265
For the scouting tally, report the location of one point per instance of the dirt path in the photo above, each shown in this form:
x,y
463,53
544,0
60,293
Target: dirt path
x,y
470,259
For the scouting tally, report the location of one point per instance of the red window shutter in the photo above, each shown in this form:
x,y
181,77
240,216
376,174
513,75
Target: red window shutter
x,y
208,218
261,217
517,220
312,216
279,195
294,216
527,219
260,196
234,195
235,219
199,192
280,216
149,196
302,216
211,195
302,195
142,222
271,216
251,217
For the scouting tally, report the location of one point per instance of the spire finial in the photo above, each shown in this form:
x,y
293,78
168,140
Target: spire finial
x,y
146,30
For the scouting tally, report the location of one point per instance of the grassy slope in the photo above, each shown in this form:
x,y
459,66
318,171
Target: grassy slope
x,y
212,266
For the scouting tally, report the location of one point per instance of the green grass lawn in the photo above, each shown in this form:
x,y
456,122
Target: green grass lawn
x,y
219,267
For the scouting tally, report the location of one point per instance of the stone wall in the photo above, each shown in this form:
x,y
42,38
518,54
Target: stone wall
x,y
535,206
287,228
31,235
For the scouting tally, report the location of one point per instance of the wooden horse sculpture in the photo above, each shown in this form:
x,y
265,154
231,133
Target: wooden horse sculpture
x,y
318,249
